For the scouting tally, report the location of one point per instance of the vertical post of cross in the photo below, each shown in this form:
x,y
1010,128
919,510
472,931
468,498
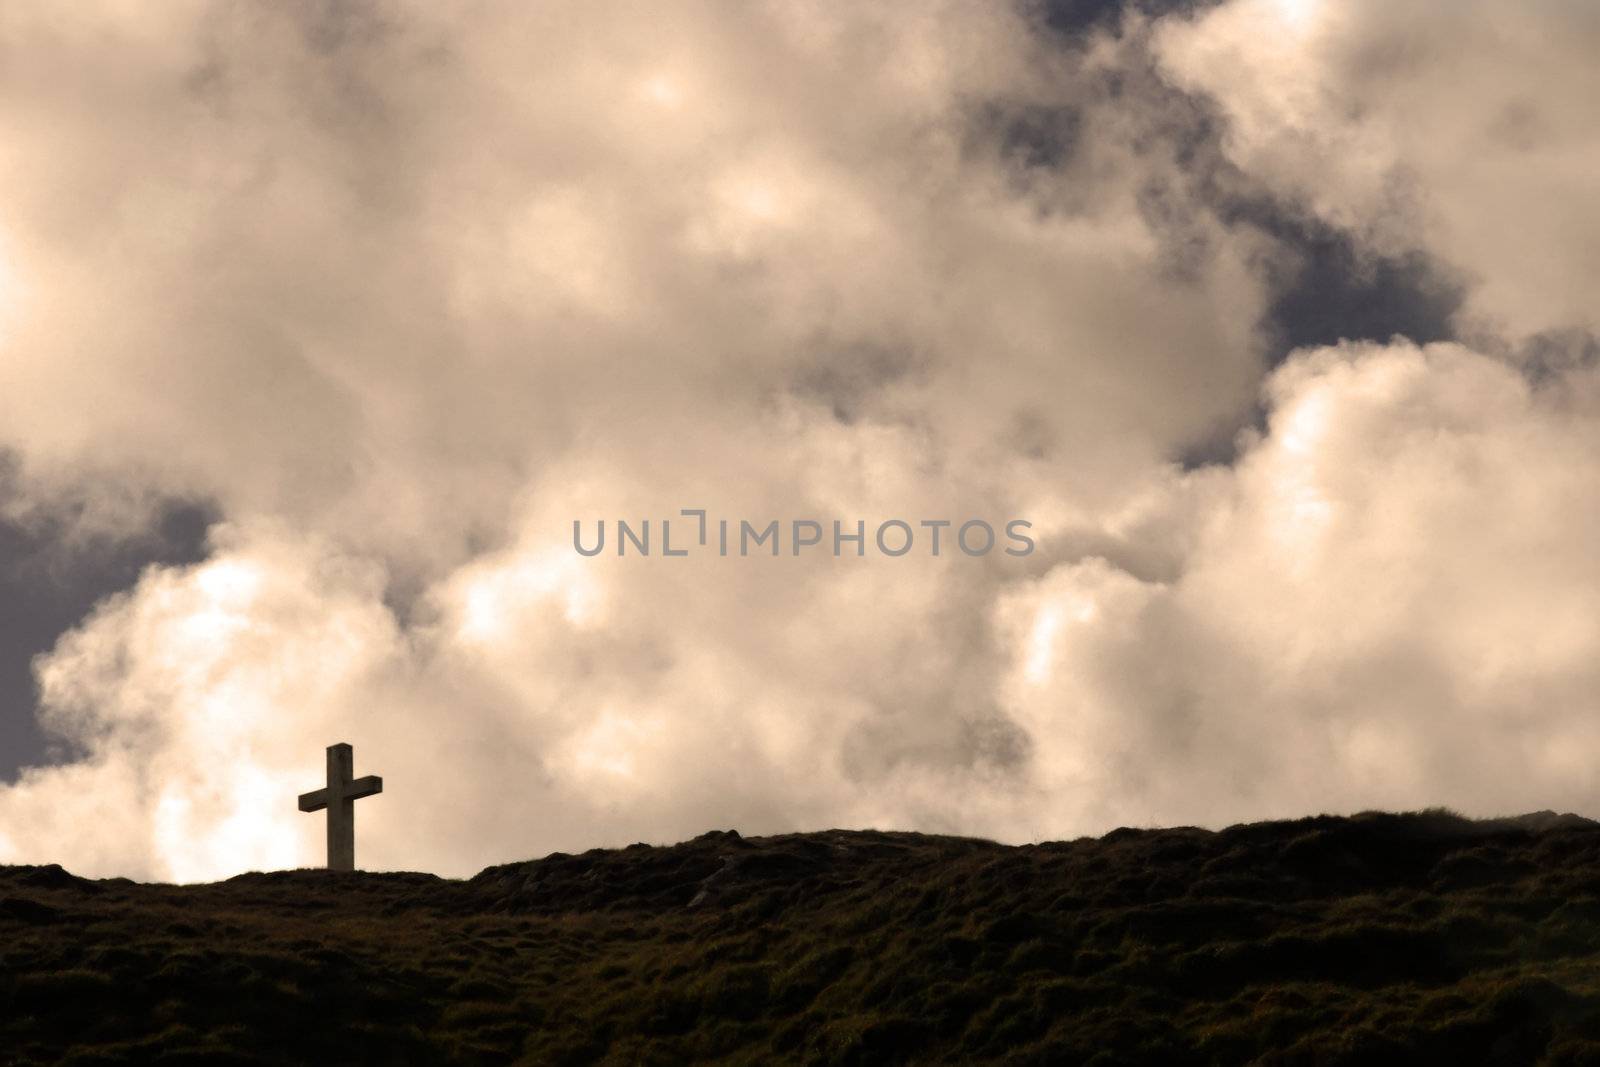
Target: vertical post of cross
x,y
341,810
339,797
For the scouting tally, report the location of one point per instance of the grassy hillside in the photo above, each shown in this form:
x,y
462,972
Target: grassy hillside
x,y
1376,939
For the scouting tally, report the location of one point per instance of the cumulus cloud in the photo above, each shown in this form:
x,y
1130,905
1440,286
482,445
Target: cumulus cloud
x,y
1390,602
400,292
1463,129
370,267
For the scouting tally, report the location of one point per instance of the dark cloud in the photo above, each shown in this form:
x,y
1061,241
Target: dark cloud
x,y
1327,288
1330,289
1028,135
1074,18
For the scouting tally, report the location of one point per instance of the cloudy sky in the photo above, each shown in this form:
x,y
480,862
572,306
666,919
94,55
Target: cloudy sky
x,y
321,323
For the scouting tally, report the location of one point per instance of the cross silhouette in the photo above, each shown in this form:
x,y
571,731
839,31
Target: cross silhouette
x,y
339,797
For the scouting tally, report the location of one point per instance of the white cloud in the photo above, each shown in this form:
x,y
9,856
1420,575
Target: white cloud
x,y
1387,602
190,695
1463,129
1391,604
405,292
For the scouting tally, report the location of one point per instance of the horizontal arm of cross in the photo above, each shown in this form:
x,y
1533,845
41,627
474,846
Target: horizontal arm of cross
x,y
315,800
364,787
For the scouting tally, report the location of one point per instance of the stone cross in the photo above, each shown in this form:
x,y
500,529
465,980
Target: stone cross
x,y
339,797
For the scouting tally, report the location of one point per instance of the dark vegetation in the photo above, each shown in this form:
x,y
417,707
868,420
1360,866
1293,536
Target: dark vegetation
x,y
1378,939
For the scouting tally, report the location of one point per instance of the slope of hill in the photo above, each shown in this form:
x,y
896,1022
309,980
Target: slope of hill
x,y
1366,940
